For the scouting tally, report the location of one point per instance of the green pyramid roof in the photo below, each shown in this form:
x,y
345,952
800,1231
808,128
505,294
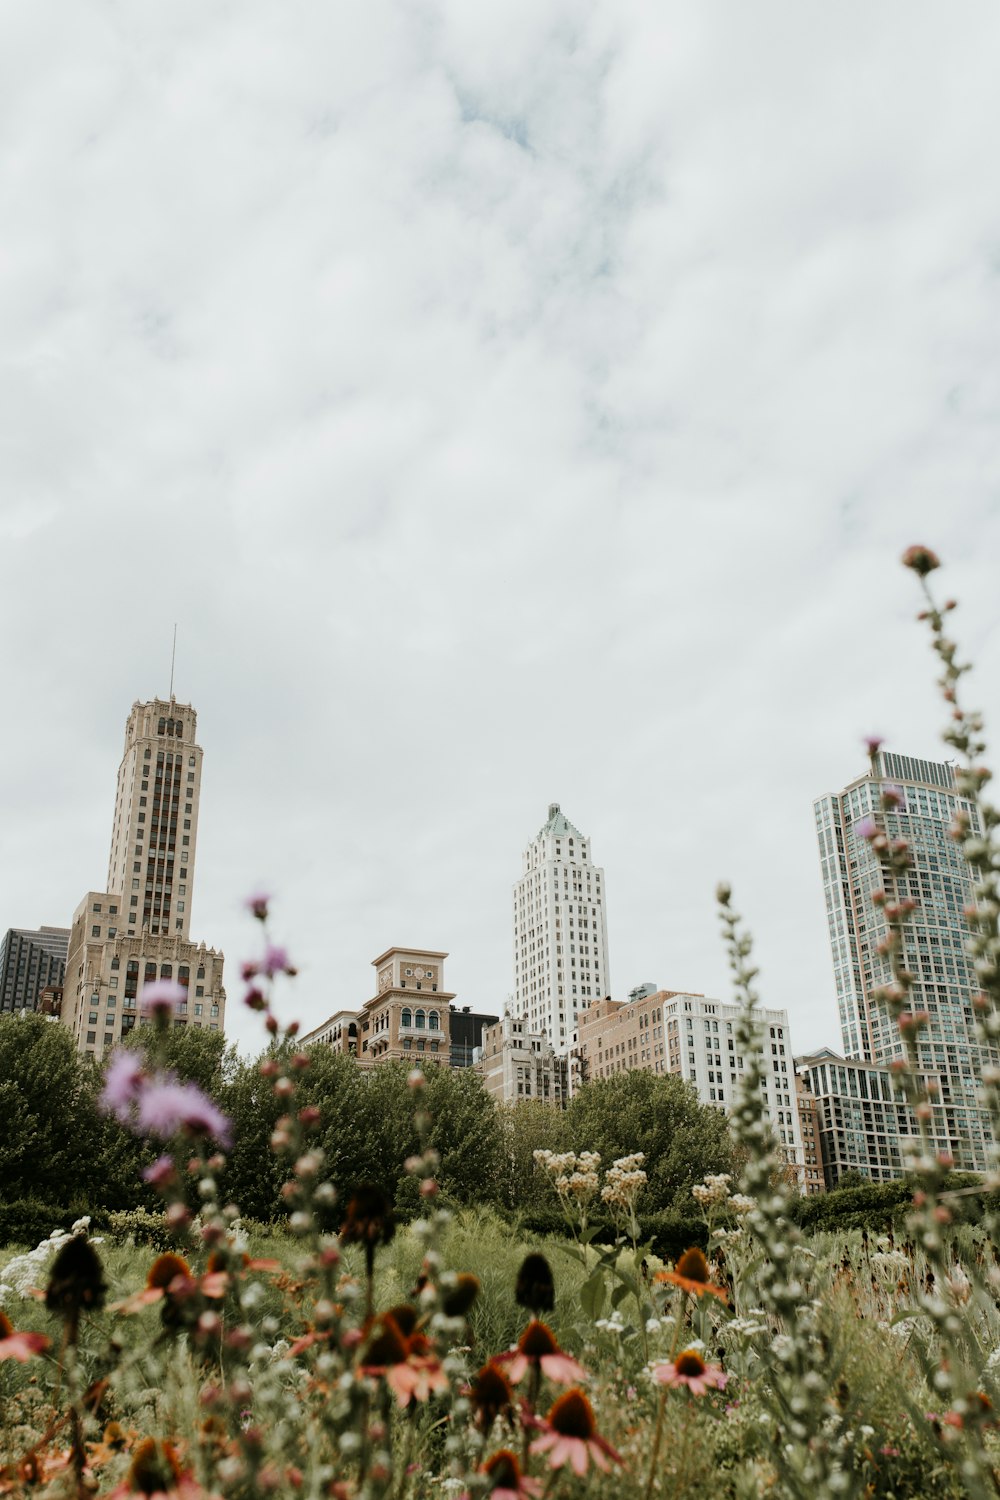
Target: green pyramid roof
x,y
559,824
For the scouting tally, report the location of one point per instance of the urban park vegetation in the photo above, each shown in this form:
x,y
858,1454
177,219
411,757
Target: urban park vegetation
x,y
285,1277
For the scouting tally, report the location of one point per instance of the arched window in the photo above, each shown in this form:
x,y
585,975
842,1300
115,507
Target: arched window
x,y
432,1021
166,971
406,1019
161,727
421,1020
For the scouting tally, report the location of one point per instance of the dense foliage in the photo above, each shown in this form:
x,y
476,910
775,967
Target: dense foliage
x,y
62,1153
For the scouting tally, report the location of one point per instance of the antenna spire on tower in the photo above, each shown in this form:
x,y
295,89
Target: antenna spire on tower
x,y
173,658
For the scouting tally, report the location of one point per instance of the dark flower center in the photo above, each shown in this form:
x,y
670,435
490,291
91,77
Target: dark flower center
x,y
77,1278
504,1470
535,1288
458,1299
571,1416
405,1318
153,1470
537,1340
491,1392
6,1326
388,1346
690,1363
166,1268
693,1265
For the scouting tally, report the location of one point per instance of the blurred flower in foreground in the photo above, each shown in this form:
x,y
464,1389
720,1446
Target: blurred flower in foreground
x,y
570,1436
691,1370
691,1274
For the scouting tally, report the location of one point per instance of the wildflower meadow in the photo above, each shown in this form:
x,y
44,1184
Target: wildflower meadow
x,y
369,1345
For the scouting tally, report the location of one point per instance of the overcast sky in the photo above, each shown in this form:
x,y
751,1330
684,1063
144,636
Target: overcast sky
x,y
511,403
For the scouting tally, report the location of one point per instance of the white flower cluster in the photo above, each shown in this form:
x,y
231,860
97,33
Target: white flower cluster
x,y
573,1175
624,1181
23,1274
714,1190
742,1203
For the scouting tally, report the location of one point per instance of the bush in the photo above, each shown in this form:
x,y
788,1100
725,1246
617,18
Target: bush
x,y
26,1221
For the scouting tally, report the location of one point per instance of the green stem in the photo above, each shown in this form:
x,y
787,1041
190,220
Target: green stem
x,y
656,1443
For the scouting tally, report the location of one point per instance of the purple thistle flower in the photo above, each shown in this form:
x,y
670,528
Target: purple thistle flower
x,y
257,903
873,743
162,997
866,828
161,1171
121,1083
167,1106
276,961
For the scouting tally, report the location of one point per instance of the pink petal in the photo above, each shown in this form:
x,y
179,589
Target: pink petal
x,y
21,1346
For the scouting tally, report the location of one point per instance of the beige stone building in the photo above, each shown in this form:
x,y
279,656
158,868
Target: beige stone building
x,y
139,928
812,1179
407,1018
339,1032
516,1063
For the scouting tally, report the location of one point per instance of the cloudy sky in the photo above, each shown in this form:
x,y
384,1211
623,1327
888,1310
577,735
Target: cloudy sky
x,y
511,404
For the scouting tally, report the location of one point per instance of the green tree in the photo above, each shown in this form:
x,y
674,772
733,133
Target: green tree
x,y
682,1138
528,1126
49,1147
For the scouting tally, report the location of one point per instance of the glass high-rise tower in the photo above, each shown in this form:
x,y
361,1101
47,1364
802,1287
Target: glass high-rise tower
x,y
941,884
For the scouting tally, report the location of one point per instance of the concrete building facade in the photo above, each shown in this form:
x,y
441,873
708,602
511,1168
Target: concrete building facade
x,y
518,1063
686,1034
139,928
941,884
31,960
560,931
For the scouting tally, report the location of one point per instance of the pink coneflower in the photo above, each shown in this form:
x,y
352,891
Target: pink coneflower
x,y
155,1473
121,1083
537,1347
691,1370
161,997
19,1346
692,1274
167,1106
571,1437
506,1480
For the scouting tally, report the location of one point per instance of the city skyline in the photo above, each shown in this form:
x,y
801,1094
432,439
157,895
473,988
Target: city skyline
x,y
508,409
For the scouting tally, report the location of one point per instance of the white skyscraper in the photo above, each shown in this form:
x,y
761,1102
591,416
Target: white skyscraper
x,y
560,931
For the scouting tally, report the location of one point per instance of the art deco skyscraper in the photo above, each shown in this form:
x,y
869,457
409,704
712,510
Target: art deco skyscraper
x,y
139,928
940,882
560,931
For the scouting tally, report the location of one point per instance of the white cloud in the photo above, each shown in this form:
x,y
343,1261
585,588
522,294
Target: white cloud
x,y
510,404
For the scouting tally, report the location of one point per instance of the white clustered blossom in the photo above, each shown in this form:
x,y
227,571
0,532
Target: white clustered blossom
x,y
624,1181
715,1189
572,1175
742,1203
21,1276
614,1324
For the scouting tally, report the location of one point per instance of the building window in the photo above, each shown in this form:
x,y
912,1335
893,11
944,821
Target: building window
x,y
406,1018
432,1021
95,931
420,1020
